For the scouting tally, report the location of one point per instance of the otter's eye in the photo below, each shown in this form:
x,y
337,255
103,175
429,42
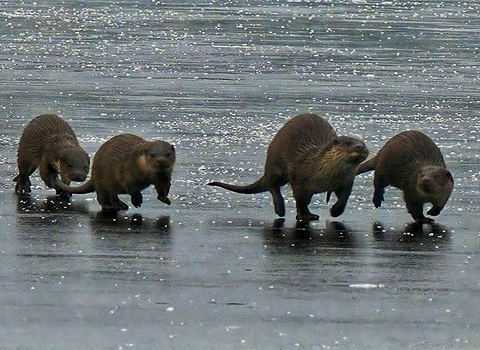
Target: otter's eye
x,y
151,154
70,166
349,143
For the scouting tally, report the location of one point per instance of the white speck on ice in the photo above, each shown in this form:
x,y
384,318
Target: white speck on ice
x,y
366,285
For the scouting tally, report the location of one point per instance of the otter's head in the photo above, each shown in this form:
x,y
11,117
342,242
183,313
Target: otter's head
x,y
73,164
157,156
436,183
352,149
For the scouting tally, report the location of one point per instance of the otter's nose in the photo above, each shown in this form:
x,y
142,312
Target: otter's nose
x,y
78,177
360,148
425,180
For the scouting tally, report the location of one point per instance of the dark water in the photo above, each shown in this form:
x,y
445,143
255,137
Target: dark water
x,y
216,269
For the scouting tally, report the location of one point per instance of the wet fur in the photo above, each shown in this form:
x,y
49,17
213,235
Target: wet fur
x,y
49,144
307,153
128,164
413,163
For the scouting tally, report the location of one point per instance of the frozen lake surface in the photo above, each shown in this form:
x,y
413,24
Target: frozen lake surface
x,y
218,269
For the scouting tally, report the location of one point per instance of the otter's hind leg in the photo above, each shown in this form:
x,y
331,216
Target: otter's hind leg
x,y
25,169
278,201
117,204
23,184
110,201
379,183
302,200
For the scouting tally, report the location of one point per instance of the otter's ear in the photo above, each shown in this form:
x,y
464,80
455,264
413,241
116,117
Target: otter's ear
x,y
449,176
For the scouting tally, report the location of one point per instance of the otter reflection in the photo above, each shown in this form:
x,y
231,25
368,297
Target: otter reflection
x,y
50,204
120,223
303,236
413,236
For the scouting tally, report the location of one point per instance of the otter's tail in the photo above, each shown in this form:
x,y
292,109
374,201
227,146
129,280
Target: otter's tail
x,y
369,165
257,187
87,187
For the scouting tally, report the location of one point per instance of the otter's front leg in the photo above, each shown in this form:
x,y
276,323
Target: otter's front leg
x,y
434,211
137,199
59,192
48,174
415,208
163,188
437,207
379,183
342,198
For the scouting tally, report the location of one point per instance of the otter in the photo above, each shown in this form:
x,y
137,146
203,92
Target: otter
x,y
49,144
307,153
411,162
128,164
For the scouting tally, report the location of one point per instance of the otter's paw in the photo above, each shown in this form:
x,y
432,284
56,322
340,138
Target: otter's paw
x,y
23,188
423,220
280,213
307,217
434,211
115,207
165,200
137,200
337,210
377,200
108,210
63,195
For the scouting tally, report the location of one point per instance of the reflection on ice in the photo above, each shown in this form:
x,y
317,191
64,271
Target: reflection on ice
x,y
413,237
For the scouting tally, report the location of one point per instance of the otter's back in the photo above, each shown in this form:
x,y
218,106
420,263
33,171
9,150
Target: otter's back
x,y
112,158
406,152
299,135
40,130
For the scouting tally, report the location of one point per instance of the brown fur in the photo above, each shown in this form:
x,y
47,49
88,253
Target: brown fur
x,y
49,144
307,153
413,163
128,164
